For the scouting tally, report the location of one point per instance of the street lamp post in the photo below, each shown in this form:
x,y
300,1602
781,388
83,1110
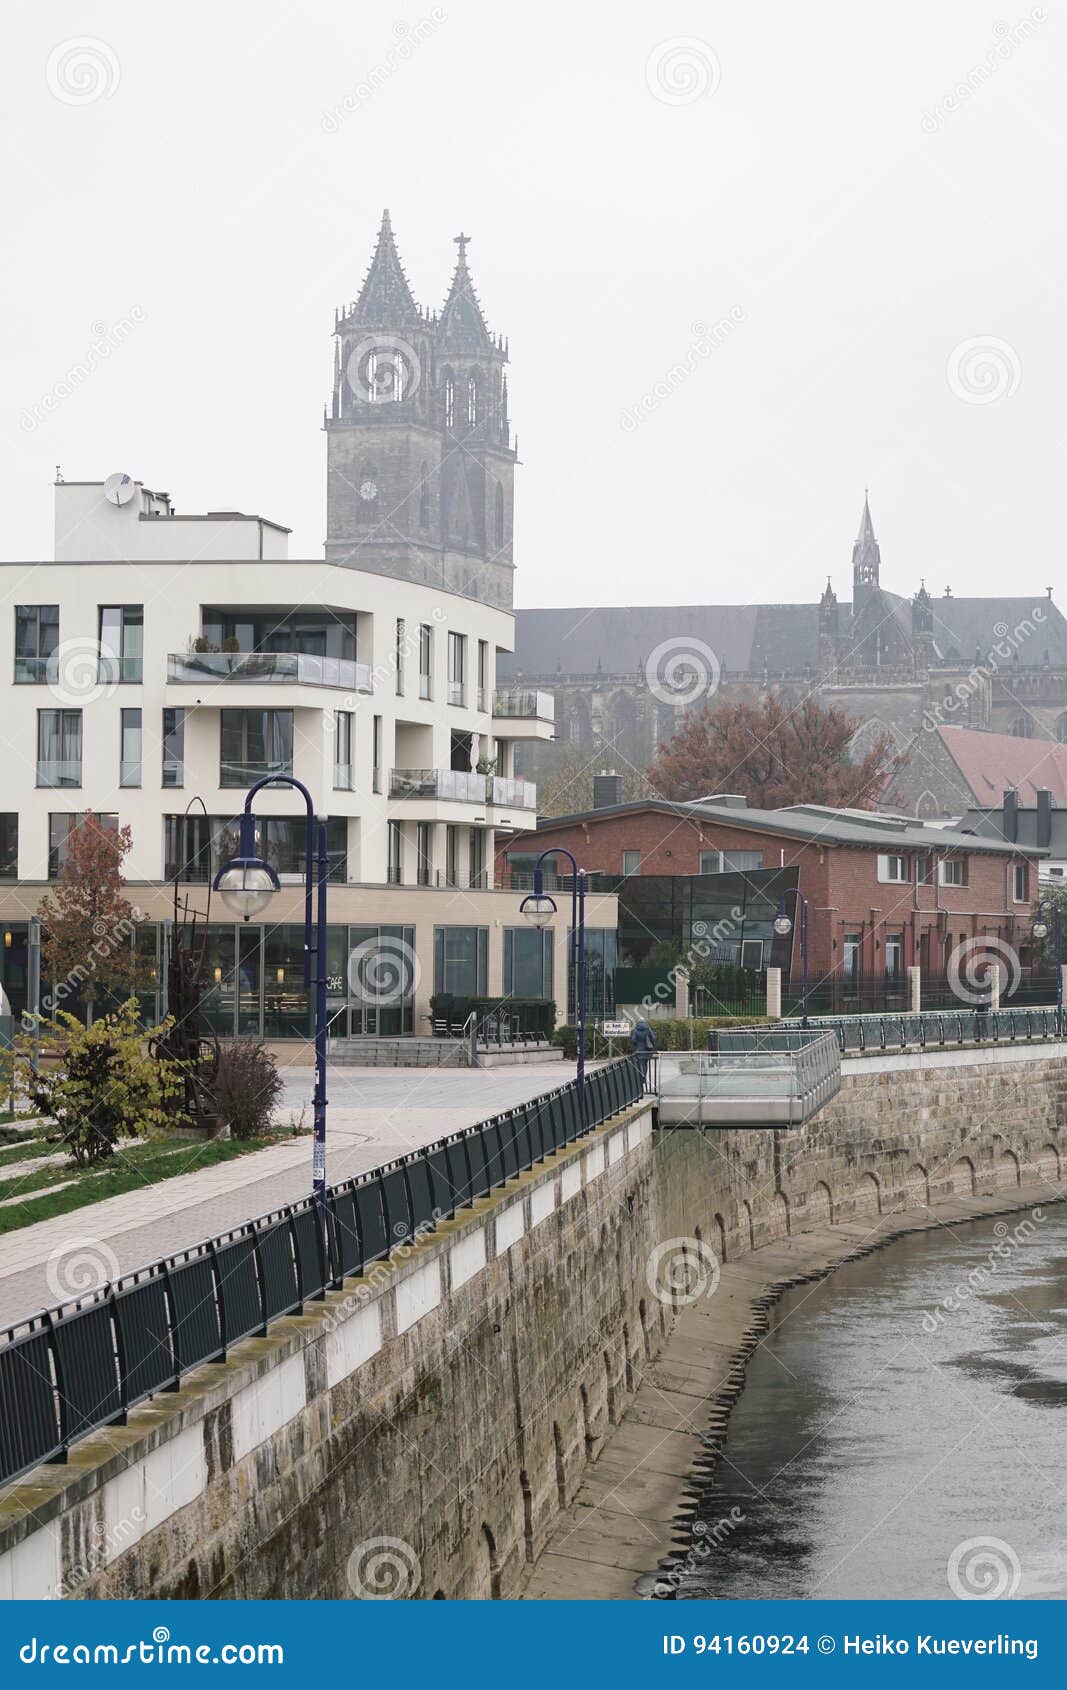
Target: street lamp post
x,y
539,908
247,884
783,925
1040,931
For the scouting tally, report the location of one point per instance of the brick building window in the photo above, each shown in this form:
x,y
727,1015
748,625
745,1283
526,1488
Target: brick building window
x,y
954,872
891,868
631,862
1020,883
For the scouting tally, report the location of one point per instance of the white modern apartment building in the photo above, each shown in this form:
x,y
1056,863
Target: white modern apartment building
x,y
160,663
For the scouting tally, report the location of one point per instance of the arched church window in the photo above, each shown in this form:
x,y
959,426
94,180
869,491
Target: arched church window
x,y
472,399
1023,727
450,400
499,515
385,375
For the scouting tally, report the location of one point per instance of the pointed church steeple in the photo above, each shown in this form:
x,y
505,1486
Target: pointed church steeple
x,y
866,553
385,299
461,325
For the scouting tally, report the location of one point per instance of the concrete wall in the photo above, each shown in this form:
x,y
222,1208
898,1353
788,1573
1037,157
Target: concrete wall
x,y
424,1428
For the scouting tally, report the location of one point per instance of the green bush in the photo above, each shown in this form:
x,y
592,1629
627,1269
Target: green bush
x,y
671,1034
106,1086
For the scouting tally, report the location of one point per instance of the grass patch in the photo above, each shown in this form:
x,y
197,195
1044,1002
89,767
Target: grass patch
x,y
27,1150
145,1164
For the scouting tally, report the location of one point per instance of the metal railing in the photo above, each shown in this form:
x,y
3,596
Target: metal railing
x,y
522,705
766,1077
71,1369
937,1029
516,794
271,667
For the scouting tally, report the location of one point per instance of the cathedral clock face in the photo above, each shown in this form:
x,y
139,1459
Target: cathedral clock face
x,y
368,490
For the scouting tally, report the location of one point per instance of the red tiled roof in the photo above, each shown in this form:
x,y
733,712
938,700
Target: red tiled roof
x,y
993,764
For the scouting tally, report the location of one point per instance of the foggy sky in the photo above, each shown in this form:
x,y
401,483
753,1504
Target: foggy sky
x,y
840,226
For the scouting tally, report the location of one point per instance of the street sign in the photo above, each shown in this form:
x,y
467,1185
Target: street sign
x,y
616,1029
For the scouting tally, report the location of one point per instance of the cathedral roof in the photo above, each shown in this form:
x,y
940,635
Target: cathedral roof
x,y
385,299
461,324
618,640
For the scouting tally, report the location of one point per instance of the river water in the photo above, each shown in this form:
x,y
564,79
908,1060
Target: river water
x,y
903,1428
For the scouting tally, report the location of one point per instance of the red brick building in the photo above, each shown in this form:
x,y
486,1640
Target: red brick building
x,y
883,892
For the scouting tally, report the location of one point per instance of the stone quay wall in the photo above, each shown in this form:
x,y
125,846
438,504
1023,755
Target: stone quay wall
x,y
419,1432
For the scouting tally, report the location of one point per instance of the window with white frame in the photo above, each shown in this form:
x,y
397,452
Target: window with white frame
x,y
631,862
953,871
891,868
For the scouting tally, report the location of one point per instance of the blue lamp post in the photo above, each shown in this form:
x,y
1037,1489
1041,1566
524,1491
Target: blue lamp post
x,y
782,926
539,908
1040,931
247,884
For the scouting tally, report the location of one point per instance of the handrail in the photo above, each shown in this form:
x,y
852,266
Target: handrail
x,y
68,1370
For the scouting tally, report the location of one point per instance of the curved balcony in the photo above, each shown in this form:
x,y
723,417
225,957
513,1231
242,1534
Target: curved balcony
x,y
522,713
299,668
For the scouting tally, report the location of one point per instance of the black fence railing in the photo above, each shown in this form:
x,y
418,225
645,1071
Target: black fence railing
x,y
69,1370
940,1029
882,994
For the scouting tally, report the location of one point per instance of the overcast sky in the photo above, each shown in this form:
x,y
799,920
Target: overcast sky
x,y
840,226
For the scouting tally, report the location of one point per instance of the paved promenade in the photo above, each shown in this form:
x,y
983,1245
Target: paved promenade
x,y
374,1115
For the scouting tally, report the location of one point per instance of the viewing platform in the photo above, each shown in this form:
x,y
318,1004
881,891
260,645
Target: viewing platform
x,y
752,1078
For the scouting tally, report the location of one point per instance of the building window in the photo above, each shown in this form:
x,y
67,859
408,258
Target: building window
x,y
1023,727
528,962
472,400
399,657
376,755
255,743
196,846
461,961
59,748
894,957
922,871
483,674
174,747
451,856
121,642
601,947
424,847
893,869
1020,883
395,864
741,862
60,827
450,401
631,862
425,659
130,756
954,872
752,954
9,845
342,751
851,951
476,877
36,638
709,862
457,663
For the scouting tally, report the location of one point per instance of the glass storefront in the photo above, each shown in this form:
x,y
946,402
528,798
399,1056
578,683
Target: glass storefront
x,y
528,962
601,957
461,961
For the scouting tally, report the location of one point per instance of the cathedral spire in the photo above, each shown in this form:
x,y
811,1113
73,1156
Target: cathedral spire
x,y
866,553
461,324
385,299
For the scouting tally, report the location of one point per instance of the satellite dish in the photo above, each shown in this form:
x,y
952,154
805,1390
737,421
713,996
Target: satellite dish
x,y
119,489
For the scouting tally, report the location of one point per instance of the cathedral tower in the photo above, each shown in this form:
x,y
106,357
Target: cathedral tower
x,y
420,465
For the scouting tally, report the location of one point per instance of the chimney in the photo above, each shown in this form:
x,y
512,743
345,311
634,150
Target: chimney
x,y
1011,817
1044,816
607,789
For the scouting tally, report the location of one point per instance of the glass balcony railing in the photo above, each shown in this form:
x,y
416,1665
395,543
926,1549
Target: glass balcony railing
x,y
232,773
515,794
117,670
342,777
461,785
32,670
455,692
59,772
519,704
295,667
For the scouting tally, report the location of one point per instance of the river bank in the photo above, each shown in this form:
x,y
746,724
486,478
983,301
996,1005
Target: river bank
x,y
629,1531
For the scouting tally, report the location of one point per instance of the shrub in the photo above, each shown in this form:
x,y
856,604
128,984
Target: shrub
x,y
247,1088
671,1034
106,1086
